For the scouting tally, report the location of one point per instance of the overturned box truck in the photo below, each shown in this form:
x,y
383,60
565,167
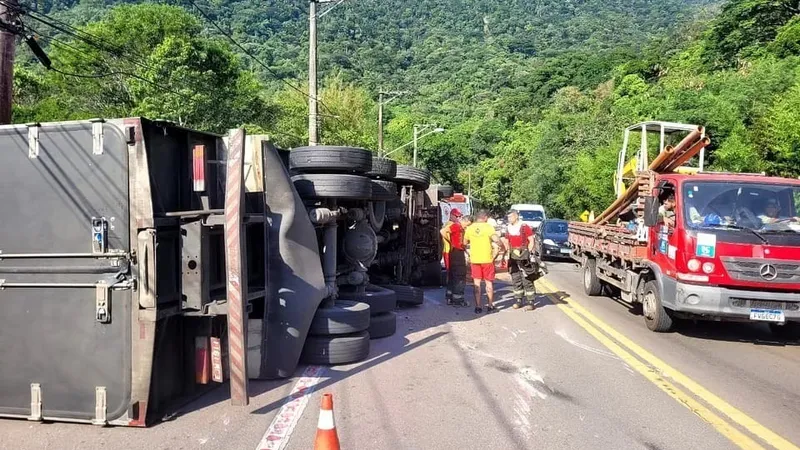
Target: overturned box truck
x,y
142,263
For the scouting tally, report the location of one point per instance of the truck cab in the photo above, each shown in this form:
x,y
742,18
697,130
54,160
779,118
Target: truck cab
x,y
730,249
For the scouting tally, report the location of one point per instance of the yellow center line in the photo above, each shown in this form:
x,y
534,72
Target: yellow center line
x,y
739,417
727,430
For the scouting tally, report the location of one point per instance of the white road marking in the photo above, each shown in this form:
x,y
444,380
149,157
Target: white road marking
x,y
280,430
563,335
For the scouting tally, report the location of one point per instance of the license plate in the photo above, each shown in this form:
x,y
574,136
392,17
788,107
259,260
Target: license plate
x,y
767,315
566,250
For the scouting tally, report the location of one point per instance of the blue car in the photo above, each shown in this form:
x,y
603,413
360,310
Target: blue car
x,y
551,239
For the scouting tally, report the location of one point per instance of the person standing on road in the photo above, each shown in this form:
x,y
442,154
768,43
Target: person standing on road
x,y
445,233
457,275
455,264
480,236
520,243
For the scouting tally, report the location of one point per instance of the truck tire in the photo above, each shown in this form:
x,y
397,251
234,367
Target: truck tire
x,y
383,168
383,190
341,186
330,159
418,178
789,331
376,214
331,350
382,325
656,317
591,283
407,295
344,317
380,300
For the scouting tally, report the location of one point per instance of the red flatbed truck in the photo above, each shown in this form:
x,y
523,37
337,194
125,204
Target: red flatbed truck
x,y
732,253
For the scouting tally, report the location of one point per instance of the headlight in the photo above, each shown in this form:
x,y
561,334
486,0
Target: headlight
x,y
708,267
549,242
694,265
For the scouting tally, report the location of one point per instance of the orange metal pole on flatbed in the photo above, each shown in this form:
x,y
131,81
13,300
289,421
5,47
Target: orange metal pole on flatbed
x,y
688,154
682,146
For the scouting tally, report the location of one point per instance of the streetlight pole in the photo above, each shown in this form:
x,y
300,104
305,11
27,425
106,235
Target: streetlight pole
x,y
417,129
380,123
313,126
417,137
381,102
416,133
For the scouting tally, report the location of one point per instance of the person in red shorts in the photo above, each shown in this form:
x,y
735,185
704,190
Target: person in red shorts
x,y
480,236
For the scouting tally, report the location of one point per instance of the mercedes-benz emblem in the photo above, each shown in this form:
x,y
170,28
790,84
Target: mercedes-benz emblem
x,y
768,272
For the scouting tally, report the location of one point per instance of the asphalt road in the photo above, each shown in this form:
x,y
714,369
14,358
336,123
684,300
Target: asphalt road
x,y
577,373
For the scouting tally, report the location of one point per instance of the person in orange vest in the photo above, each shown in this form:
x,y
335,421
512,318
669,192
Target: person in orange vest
x,y
446,232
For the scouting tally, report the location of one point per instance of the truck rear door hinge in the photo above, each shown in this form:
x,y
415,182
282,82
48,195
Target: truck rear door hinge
x,y
33,140
102,309
100,406
36,402
97,136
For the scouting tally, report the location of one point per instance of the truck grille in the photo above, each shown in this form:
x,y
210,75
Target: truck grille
x,y
764,304
749,269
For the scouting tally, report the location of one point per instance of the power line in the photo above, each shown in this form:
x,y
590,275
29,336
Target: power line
x,y
57,42
254,58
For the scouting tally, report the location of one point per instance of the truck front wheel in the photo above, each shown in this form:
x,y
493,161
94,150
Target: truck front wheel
x,y
656,316
591,283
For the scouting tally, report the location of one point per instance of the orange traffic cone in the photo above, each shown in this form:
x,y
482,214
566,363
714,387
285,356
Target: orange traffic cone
x,y
327,439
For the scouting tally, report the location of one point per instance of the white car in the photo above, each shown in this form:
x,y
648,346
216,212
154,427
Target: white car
x,y
530,214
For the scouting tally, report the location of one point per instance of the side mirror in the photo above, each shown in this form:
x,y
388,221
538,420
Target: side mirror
x,y
651,211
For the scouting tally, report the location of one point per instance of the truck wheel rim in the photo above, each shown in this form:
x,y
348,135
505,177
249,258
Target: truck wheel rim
x,y
649,305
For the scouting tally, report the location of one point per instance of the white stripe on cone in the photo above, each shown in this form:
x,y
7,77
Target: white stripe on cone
x,y
326,420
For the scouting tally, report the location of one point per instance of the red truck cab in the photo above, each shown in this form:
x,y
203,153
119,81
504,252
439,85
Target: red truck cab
x,y
732,250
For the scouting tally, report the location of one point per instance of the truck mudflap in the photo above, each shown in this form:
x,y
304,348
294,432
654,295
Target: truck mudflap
x,y
65,285
296,284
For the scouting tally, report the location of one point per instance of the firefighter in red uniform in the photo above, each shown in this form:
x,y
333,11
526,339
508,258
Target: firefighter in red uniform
x,y
520,242
452,235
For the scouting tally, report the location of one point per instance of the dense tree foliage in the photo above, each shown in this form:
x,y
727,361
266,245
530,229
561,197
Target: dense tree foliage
x,y
534,94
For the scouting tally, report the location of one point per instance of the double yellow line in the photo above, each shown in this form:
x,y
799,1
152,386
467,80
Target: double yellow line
x,y
666,378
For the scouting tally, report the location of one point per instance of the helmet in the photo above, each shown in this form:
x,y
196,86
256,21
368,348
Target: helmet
x,y
712,219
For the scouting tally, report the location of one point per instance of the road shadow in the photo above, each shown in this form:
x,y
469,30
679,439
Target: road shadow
x,y
745,333
742,332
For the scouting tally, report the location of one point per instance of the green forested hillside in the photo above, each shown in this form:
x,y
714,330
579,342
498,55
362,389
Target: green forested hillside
x,y
533,93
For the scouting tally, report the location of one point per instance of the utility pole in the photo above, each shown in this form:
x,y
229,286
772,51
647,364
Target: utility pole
x,y
313,125
8,43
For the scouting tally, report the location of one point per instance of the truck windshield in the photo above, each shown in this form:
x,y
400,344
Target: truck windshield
x,y
529,216
755,206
